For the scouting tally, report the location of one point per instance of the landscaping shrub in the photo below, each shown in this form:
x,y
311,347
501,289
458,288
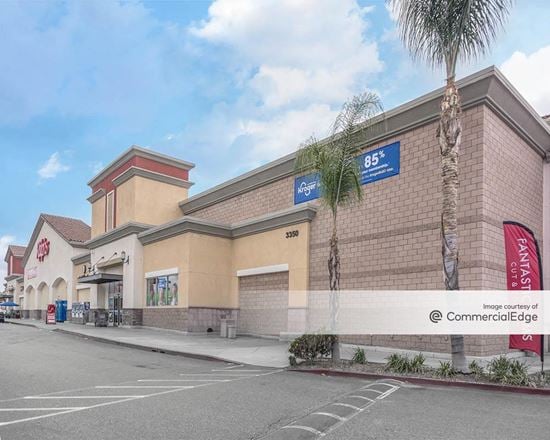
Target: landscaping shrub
x,y
399,363
508,372
359,356
416,364
310,347
445,369
476,369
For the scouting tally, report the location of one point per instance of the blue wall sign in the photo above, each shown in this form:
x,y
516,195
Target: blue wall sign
x,y
380,163
306,188
374,165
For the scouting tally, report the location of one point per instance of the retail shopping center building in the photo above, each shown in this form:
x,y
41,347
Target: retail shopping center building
x,y
184,262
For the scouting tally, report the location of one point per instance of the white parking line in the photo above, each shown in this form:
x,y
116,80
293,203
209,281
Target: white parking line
x,y
61,411
356,408
115,387
305,428
219,374
233,366
355,396
334,416
184,380
41,409
82,397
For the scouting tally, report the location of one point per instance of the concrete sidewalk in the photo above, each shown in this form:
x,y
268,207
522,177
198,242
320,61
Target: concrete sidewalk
x,y
244,349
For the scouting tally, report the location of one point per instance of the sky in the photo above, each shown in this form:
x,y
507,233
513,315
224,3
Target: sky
x,y
226,84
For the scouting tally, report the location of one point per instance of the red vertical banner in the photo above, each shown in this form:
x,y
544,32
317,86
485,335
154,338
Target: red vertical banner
x,y
523,272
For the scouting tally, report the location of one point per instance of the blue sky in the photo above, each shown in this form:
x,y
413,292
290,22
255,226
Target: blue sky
x,y
227,84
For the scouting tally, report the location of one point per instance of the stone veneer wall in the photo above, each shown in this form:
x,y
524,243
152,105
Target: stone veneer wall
x,y
132,317
169,318
391,240
200,319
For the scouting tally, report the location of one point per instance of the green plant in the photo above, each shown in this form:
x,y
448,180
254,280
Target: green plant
x,y
292,360
416,364
359,356
397,363
476,369
339,177
442,32
445,369
509,372
310,346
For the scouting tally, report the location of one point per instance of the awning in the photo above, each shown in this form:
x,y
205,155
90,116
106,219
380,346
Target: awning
x,y
100,278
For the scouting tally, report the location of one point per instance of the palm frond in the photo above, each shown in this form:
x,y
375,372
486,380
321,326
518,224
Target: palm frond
x,y
443,31
334,159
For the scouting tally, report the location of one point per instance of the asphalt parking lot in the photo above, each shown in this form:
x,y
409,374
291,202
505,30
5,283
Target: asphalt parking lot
x,y
56,386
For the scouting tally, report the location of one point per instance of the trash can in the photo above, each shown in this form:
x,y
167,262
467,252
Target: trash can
x,y
101,318
231,331
223,328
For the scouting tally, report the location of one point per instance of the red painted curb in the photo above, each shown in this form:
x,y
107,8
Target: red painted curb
x,y
428,381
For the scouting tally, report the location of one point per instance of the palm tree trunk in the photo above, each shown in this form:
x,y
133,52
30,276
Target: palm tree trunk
x,y
334,280
449,135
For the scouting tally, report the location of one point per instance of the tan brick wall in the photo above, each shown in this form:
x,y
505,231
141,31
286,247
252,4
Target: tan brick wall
x,y
391,240
263,304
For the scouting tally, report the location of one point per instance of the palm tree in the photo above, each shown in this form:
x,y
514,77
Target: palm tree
x,y
441,32
334,161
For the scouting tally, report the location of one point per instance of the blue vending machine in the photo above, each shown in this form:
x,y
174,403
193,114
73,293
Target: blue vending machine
x,y
61,310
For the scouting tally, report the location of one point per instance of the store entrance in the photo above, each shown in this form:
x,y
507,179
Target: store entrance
x,y
114,296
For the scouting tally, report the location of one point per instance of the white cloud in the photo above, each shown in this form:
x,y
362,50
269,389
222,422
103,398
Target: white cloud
x,y
52,167
529,74
5,241
113,59
300,61
283,133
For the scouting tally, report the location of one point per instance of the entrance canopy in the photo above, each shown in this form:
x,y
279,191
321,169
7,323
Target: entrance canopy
x,y
100,278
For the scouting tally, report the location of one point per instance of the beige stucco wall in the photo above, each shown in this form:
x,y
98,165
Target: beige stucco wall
x,y
126,202
273,248
132,273
98,217
52,273
208,265
156,202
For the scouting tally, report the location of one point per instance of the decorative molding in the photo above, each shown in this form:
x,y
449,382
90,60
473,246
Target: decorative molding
x,y
263,270
81,258
183,225
96,196
162,273
12,277
487,87
136,150
141,172
117,233
297,214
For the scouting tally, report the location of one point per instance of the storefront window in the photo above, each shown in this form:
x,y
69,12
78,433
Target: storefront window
x,y
162,291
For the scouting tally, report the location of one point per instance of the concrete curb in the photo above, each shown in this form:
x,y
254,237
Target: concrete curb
x,y
24,324
203,357
427,381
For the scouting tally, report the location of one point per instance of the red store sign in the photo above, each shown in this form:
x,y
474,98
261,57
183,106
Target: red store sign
x,y
42,249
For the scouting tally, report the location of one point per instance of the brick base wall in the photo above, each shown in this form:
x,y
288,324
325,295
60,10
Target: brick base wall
x,y
200,319
132,316
169,318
